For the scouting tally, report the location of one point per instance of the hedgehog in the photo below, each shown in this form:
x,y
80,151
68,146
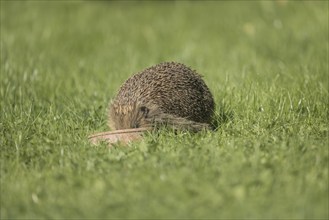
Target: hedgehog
x,y
167,94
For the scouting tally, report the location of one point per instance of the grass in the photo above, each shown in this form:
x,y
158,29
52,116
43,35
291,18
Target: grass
x,y
266,64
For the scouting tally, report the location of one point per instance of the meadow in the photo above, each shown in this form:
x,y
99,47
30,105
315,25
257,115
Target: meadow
x,y
266,63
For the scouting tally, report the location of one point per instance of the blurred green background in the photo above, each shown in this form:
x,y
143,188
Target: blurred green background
x,y
266,62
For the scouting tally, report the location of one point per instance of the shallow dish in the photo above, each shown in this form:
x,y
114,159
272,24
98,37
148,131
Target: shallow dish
x,y
124,136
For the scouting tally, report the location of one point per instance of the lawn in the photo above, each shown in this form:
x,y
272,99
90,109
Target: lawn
x,y
266,63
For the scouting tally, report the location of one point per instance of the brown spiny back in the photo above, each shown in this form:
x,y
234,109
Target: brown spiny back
x,y
167,92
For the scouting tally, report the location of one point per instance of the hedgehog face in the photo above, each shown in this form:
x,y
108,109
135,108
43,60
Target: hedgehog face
x,y
136,118
131,116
